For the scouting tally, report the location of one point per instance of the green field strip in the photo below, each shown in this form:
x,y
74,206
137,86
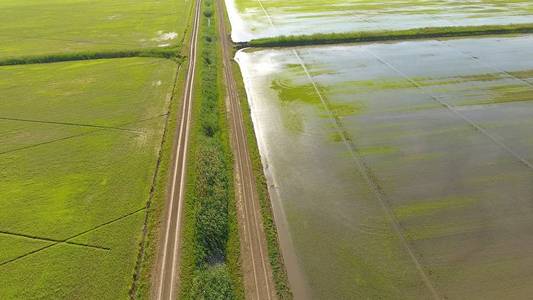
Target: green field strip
x,y
87,92
45,239
62,138
68,240
155,191
16,136
67,27
57,183
107,232
65,272
15,246
166,53
70,124
388,35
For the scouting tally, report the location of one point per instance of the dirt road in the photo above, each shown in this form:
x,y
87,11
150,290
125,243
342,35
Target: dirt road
x,y
166,280
255,263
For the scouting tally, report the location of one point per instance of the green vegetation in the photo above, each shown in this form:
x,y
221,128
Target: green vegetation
x,y
387,35
48,27
167,52
83,153
210,259
77,157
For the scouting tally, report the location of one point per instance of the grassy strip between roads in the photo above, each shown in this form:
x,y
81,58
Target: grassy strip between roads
x,y
167,52
210,253
387,35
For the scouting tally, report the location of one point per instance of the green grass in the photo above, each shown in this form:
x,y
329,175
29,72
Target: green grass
x,y
48,27
166,52
387,35
210,266
79,149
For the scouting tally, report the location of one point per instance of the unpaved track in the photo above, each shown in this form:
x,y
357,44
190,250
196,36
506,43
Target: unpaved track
x,y
166,273
258,280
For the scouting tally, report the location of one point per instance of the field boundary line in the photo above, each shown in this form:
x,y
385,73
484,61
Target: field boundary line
x,y
45,239
267,14
65,241
75,136
161,53
369,178
476,59
70,124
452,109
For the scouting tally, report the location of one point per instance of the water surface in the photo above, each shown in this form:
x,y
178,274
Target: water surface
x,y
252,19
400,170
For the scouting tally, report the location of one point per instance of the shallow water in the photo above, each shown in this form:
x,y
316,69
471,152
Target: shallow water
x,y
252,19
400,170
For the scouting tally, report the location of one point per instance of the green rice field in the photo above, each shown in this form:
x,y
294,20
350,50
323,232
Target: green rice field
x,y
252,19
400,170
78,150
37,27
80,141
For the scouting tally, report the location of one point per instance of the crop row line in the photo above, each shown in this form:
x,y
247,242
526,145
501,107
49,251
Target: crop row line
x,y
45,239
371,181
81,134
493,138
70,124
68,239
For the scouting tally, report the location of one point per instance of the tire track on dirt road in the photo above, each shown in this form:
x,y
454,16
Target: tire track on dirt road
x,y
257,271
165,283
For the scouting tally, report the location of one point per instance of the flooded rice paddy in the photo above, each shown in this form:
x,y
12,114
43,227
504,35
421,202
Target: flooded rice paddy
x,y
400,170
252,19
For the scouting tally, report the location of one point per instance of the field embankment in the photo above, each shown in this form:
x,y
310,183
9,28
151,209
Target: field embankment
x,y
387,35
167,52
210,254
